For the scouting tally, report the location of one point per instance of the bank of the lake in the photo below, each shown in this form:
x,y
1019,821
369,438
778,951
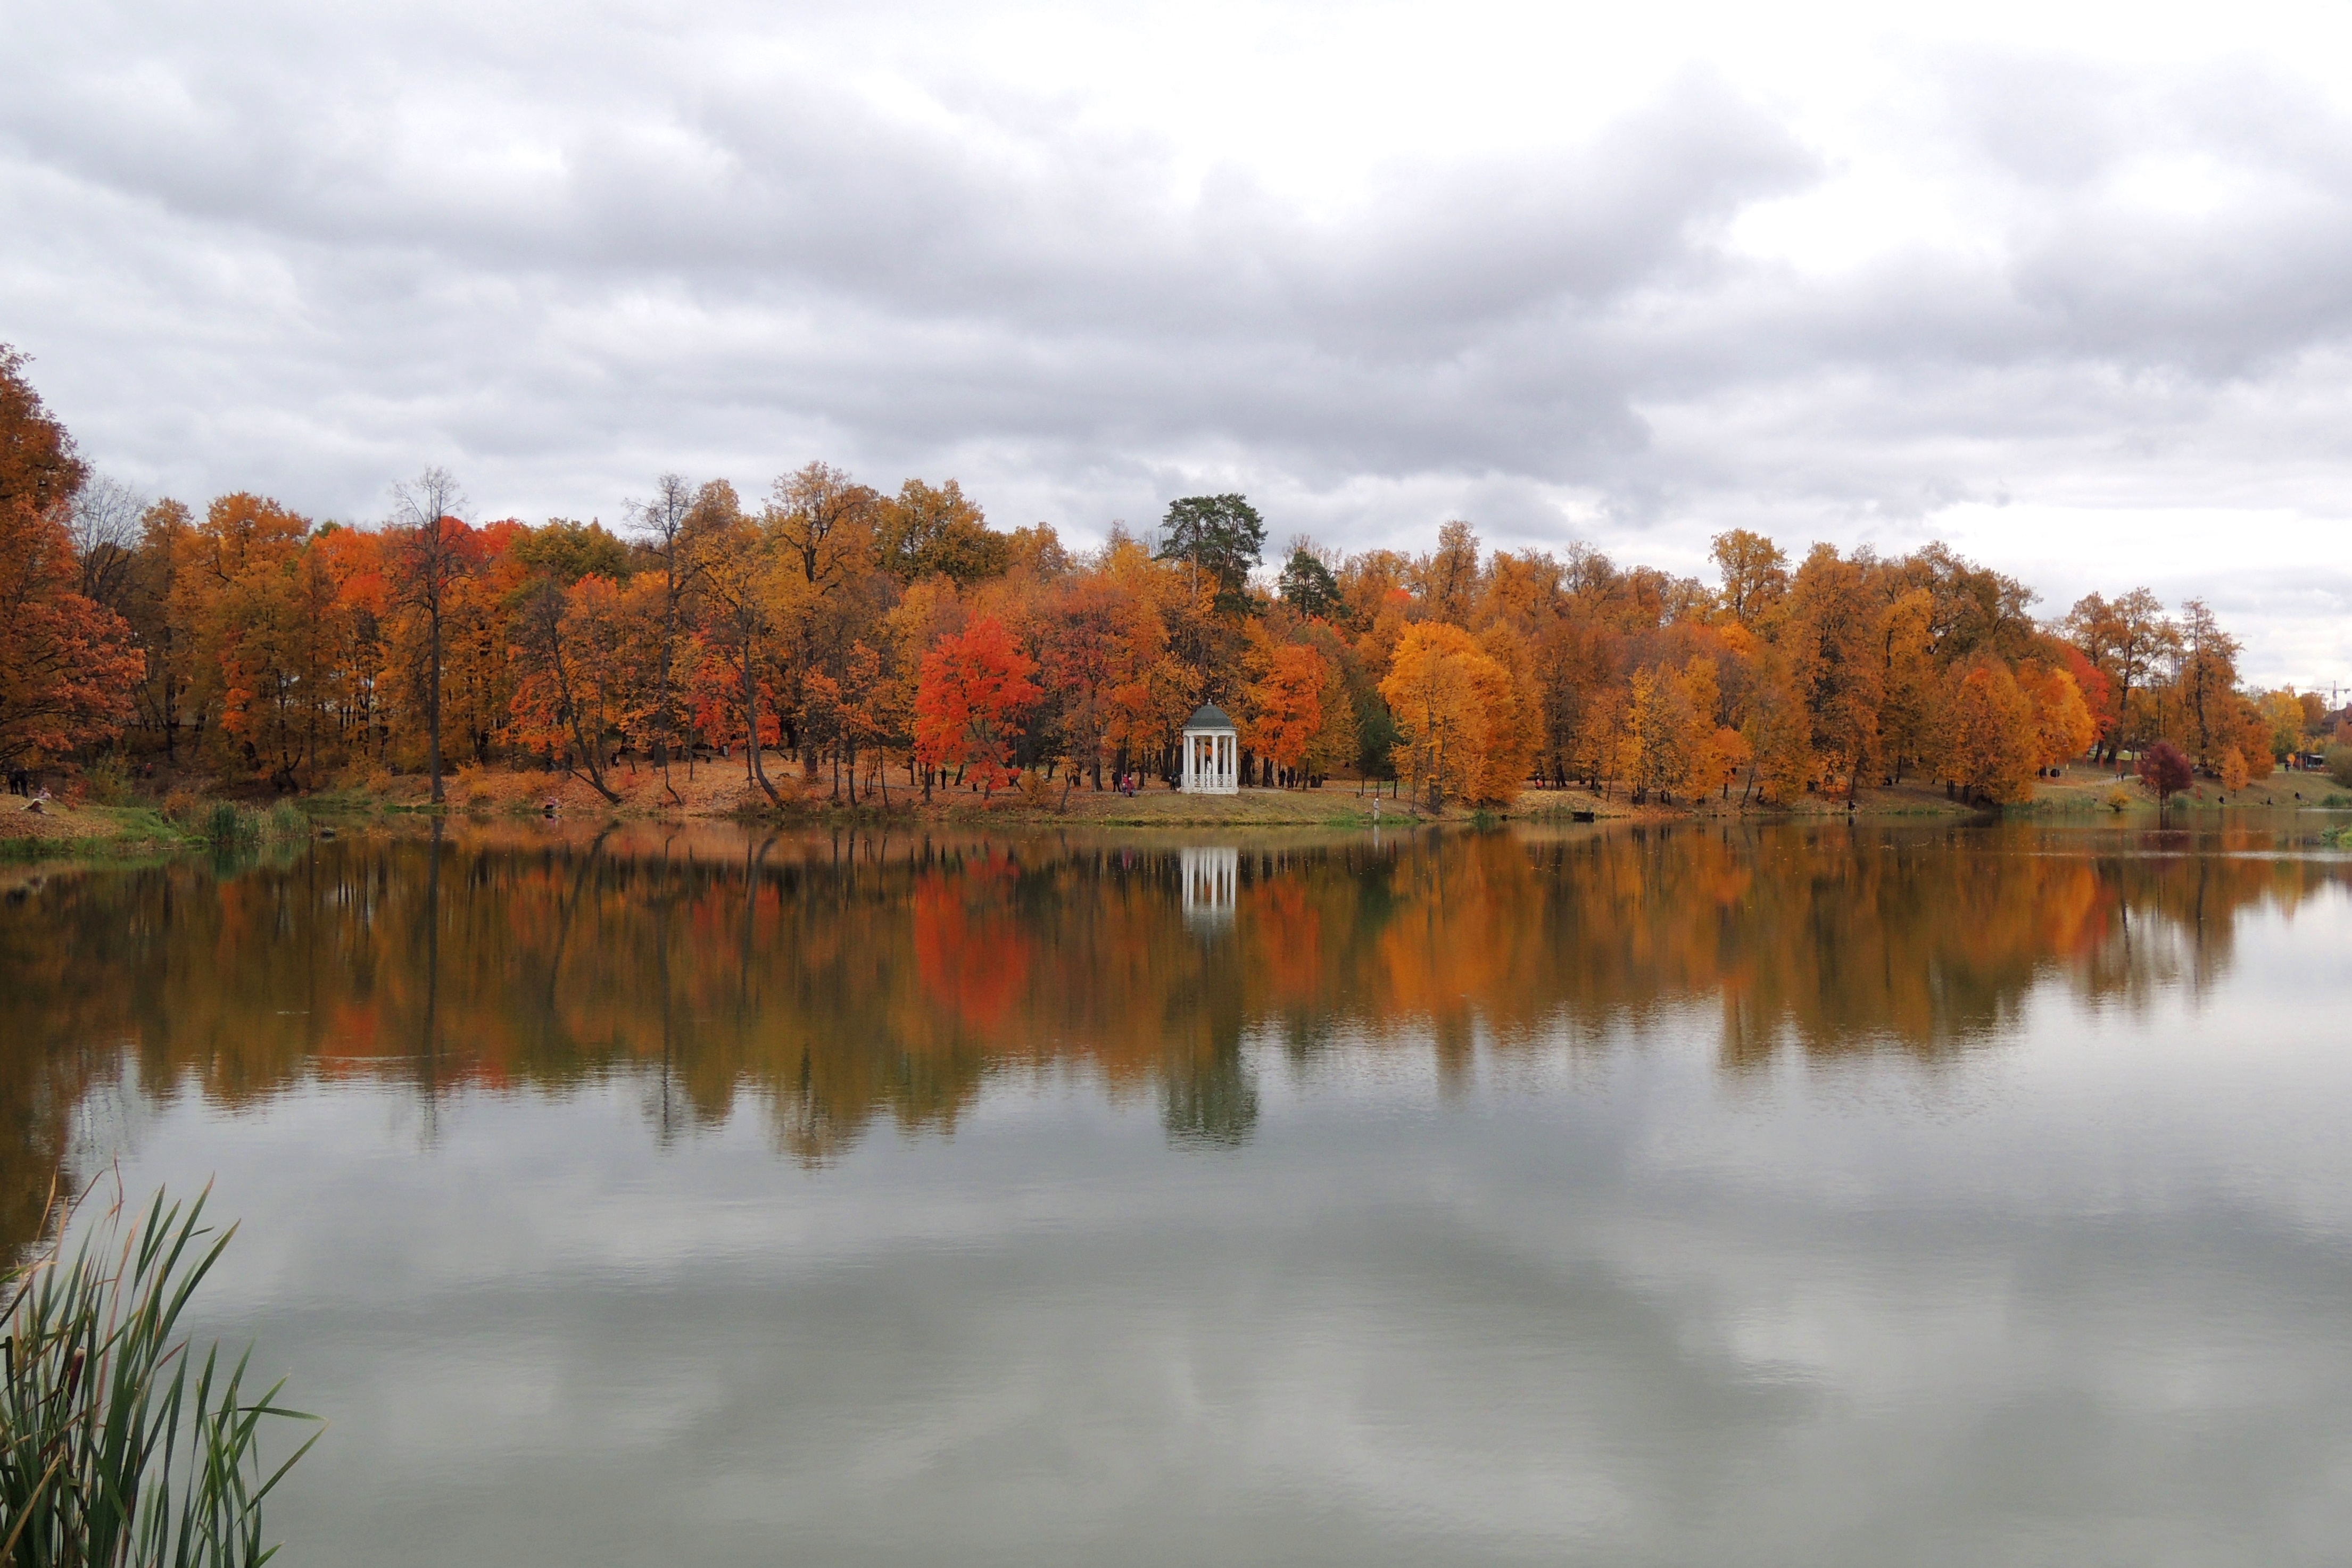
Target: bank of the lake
x,y
65,830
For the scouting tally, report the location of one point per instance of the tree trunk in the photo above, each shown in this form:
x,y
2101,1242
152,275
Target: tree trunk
x,y
752,727
433,699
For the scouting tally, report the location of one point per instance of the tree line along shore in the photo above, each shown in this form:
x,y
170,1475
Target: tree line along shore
x,y
829,645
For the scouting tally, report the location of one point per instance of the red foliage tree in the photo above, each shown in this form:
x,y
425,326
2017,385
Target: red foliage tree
x,y
974,688
2164,769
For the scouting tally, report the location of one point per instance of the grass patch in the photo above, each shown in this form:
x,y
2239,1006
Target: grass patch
x,y
107,833
119,1446
228,825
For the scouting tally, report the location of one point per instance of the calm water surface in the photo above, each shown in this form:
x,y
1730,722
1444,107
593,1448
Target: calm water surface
x,y
1792,1196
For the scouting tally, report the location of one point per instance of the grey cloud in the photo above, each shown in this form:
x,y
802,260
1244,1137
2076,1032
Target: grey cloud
x,y
304,250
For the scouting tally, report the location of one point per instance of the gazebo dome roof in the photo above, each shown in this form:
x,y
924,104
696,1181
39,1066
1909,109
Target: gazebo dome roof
x,y
1210,716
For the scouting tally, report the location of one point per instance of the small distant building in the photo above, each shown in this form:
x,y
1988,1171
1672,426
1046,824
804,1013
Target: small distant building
x,y
1213,753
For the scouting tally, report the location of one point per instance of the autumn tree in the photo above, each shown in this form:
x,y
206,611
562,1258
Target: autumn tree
x,y
927,530
1285,706
1910,688
1754,575
822,521
163,549
1836,658
2123,638
2062,725
39,465
1338,741
243,536
1659,739
1448,579
1513,715
2208,682
68,667
349,563
2282,716
875,717
975,689
676,525
741,592
567,552
578,655
1993,745
830,591
2165,769
1088,651
478,673
277,654
1779,731
1976,610
1449,697
431,550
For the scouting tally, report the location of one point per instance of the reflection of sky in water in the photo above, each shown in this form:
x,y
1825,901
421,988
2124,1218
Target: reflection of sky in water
x,y
2075,1292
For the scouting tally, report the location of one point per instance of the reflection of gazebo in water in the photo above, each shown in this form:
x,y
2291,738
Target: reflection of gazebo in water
x,y
1211,877
1213,753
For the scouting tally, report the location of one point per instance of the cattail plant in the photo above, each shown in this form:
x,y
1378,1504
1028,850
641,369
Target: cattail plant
x,y
119,1448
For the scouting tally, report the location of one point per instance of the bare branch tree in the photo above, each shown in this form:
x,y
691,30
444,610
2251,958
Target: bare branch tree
x,y
676,523
104,521
429,557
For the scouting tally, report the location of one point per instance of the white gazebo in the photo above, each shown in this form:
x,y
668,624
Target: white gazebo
x,y
1213,753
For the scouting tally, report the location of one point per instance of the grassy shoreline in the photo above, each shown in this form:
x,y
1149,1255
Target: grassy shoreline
x,y
143,832
79,831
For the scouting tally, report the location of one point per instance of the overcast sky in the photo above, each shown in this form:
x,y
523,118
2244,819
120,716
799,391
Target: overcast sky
x,y
2070,288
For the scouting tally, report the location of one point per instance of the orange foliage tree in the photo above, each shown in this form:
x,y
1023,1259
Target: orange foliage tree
x,y
1286,706
1992,744
68,672
2063,726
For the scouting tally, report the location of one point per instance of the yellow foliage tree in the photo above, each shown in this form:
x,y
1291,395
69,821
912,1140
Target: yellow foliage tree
x,y
1992,743
1449,697
2062,725
1656,746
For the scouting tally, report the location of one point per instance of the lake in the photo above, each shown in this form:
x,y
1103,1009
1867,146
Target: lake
x,y
1807,1195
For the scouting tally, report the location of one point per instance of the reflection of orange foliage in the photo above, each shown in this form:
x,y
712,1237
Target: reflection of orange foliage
x,y
1286,925
855,978
971,969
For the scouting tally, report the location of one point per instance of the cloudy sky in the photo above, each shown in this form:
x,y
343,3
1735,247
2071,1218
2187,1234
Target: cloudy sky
x,y
2070,288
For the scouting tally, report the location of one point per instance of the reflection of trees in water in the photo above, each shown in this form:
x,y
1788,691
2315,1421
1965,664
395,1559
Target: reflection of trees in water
x,y
1211,1102
846,976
